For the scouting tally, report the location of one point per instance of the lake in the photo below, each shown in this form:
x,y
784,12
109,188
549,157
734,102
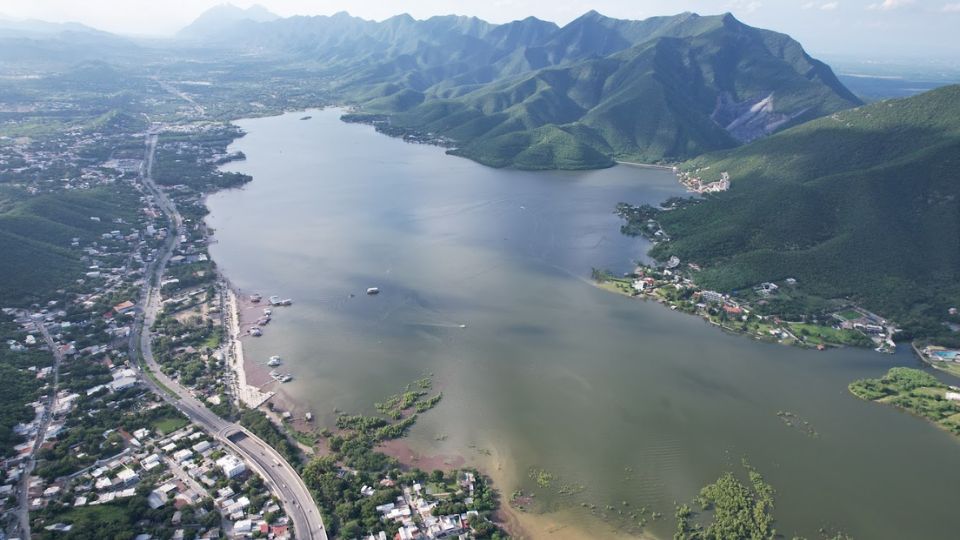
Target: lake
x,y
484,279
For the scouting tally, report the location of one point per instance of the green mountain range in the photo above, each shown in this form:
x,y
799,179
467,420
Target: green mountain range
x,y
863,203
532,95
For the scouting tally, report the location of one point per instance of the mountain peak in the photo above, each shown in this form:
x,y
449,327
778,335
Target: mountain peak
x,y
730,20
592,15
222,16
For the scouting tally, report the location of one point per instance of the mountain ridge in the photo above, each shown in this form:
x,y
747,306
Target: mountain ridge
x,y
854,204
534,95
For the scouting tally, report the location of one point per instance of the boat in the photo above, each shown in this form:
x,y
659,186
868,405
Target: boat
x,y
373,290
255,298
274,361
281,377
263,321
256,332
267,311
308,416
274,300
277,301
306,117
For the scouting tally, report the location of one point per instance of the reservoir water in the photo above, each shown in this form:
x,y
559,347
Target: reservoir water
x,y
484,279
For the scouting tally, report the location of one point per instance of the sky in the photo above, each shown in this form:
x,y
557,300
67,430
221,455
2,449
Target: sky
x,y
863,29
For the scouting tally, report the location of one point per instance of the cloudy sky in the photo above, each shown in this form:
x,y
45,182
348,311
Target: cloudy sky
x,y
865,28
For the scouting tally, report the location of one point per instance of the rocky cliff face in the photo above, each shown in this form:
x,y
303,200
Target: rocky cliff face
x,y
750,119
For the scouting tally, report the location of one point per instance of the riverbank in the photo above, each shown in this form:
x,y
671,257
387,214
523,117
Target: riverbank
x,y
647,165
248,394
523,525
735,315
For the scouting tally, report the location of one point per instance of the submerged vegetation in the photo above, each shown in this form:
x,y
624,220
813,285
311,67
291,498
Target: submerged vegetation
x,y
336,479
729,509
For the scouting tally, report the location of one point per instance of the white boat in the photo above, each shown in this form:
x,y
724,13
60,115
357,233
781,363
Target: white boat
x,y
373,290
285,377
277,301
255,298
308,416
274,361
267,311
255,332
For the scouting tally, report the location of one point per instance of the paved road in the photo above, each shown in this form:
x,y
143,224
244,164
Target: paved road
x,y
278,474
23,502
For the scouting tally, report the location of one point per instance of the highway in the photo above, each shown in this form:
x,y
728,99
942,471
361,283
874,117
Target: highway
x,y
279,475
23,501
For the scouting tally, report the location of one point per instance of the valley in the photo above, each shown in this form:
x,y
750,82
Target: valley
x,y
333,276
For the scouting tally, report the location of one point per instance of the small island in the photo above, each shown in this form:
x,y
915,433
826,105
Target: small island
x,y
916,392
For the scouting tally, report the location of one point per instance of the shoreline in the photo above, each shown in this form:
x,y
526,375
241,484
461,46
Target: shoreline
x,y
243,314
647,165
248,394
782,331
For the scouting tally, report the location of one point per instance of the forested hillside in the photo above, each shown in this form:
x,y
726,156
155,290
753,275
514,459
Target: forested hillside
x,y
36,233
532,95
863,203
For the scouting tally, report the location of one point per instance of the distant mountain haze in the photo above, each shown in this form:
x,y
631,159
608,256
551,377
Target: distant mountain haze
x,y
533,95
222,16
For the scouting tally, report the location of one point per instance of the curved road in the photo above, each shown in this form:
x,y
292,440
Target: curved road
x,y
278,474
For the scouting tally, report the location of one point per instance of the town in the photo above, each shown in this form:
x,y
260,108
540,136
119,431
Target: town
x,y
132,416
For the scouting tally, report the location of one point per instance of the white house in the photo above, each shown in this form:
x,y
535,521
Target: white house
x,y
231,465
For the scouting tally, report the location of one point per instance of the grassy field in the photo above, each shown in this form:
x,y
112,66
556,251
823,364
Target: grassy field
x,y
826,335
849,315
617,285
169,425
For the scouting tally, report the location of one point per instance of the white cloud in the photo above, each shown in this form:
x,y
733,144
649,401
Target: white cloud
x,y
887,5
951,8
744,6
826,6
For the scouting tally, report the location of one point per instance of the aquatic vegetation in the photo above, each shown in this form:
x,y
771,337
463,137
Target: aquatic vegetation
x,y
424,406
729,509
542,477
792,420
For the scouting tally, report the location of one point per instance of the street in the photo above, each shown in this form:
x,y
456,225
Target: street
x,y
282,478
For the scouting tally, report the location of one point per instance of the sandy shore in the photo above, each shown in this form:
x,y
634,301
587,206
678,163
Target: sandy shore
x,y
249,394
